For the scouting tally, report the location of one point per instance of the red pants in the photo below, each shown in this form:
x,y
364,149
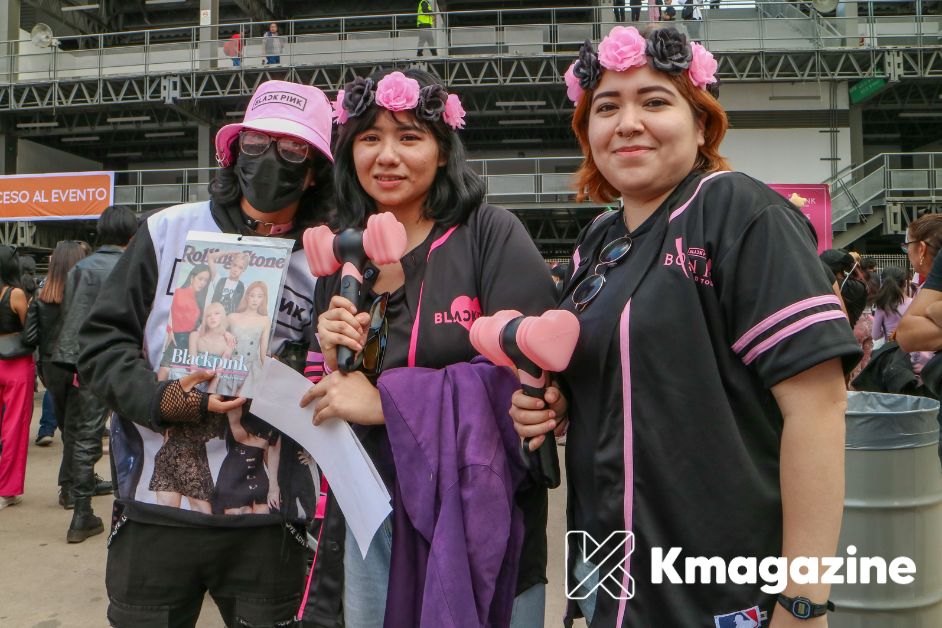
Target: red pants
x,y
17,377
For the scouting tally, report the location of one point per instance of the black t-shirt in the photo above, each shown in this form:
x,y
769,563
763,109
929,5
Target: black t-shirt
x,y
720,301
934,280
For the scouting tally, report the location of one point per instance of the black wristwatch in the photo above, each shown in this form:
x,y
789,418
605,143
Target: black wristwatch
x,y
803,608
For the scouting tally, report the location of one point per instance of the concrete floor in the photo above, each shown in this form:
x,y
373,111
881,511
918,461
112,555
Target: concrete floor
x,y
48,583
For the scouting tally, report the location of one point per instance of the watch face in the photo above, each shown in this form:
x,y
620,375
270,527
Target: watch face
x,y
801,608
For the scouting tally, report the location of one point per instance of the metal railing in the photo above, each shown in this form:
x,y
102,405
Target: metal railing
x,y
512,182
885,178
733,27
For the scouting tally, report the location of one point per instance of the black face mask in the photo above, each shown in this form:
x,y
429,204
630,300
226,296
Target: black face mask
x,y
268,182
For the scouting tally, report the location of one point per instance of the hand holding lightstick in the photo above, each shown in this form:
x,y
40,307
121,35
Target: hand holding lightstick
x,y
532,345
382,242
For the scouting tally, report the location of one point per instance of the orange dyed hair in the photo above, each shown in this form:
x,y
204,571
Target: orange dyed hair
x,y
589,181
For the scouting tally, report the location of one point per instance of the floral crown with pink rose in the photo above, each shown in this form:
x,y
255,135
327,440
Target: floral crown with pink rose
x,y
398,92
624,47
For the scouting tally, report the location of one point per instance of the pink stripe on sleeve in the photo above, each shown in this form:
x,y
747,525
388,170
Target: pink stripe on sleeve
x,y
778,317
623,331
677,212
791,330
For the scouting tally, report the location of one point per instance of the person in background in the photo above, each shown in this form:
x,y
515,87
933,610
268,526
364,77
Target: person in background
x,y
853,291
635,10
868,267
863,328
669,13
890,303
425,22
619,10
47,419
273,45
44,316
28,276
236,47
17,377
84,412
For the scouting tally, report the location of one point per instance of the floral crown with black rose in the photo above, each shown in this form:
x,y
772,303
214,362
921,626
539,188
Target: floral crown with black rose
x,y
624,47
398,92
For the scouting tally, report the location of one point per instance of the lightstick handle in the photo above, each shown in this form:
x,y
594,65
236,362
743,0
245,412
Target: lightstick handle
x,y
544,462
350,282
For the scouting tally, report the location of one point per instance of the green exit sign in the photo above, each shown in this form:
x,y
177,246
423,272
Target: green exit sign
x,y
862,90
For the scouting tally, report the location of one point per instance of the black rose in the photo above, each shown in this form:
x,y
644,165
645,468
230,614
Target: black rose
x,y
431,102
358,96
669,50
587,68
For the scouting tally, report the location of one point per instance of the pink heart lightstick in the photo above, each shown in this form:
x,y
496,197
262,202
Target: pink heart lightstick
x,y
532,345
383,242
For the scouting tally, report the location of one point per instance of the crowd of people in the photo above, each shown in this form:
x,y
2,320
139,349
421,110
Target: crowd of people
x,y
712,365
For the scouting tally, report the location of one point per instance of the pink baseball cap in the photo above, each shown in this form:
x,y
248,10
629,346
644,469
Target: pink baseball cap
x,y
282,108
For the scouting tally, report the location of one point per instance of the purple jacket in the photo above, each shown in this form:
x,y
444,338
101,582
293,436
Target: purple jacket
x,y
456,531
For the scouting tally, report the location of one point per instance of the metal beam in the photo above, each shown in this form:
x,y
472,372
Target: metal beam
x,y
257,11
79,20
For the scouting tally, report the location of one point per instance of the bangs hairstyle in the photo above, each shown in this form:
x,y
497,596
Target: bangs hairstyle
x,y
456,191
589,181
64,257
314,206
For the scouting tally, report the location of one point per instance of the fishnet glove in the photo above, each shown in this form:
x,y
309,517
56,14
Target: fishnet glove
x,y
176,405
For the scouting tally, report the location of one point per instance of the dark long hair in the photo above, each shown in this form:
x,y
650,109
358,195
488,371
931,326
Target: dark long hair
x,y
67,253
456,191
9,266
314,206
893,289
201,295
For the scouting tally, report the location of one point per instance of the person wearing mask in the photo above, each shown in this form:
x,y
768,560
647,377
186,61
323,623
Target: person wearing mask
x,y
43,320
274,180
83,411
17,376
398,151
690,368
425,22
273,45
890,303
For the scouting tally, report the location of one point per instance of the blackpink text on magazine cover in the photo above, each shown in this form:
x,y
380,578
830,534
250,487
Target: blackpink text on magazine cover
x,y
224,300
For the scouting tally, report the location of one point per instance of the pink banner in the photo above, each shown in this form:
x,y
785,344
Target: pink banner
x,y
814,200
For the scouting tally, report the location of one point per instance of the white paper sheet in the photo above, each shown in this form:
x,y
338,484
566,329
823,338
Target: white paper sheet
x,y
360,491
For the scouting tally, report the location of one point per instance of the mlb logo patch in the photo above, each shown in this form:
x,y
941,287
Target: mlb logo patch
x,y
749,618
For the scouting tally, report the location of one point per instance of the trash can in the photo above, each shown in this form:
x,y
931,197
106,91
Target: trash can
x,y
892,507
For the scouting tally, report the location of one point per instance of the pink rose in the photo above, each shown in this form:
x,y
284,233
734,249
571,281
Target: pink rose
x,y
340,114
454,112
623,48
397,92
573,90
702,70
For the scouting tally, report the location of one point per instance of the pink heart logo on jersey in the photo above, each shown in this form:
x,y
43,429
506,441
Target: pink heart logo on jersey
x,y
465,310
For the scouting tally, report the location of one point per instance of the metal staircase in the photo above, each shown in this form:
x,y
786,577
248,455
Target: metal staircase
x,y
888,190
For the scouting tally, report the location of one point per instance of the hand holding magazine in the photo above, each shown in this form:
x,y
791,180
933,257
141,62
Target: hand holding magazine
x,y
225,299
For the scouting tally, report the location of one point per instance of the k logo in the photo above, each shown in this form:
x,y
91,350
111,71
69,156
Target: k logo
x,y
607,562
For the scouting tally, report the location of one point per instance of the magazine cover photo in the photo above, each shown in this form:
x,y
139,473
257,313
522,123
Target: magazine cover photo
x,y
224,299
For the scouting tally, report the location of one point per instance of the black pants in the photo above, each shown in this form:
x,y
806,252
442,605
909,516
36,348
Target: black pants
x,y
84,426
58,382
158,575
635,11
619,10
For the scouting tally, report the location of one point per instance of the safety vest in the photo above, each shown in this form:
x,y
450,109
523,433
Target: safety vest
x,y
423,18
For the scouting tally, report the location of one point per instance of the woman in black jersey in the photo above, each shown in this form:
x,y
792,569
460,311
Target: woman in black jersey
x,y
398,151
705,394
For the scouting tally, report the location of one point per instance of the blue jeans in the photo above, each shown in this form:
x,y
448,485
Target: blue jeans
x,y
580,572
47,422
273,60
366,583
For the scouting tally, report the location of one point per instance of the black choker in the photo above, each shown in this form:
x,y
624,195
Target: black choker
x,y
274,229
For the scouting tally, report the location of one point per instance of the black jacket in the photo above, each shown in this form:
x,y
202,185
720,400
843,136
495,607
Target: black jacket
x,y
42,326
81,293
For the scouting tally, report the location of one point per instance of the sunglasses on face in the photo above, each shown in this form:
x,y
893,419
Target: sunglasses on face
x,y
591,286
255,143
371,358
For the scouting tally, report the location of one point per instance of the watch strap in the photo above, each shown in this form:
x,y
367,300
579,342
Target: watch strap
x,y
803,608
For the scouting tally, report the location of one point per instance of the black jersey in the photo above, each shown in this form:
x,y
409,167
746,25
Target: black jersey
x,y
675,434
